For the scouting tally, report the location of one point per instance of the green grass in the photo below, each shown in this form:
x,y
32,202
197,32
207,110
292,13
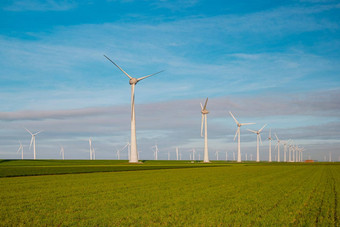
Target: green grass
x,y
13,168
229,194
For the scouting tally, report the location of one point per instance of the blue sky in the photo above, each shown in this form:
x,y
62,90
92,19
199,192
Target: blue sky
x,y
275,62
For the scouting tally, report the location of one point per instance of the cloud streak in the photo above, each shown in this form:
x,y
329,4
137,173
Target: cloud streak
x,y
37,5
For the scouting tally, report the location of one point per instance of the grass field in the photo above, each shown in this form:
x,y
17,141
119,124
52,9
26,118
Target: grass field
x,y
170,193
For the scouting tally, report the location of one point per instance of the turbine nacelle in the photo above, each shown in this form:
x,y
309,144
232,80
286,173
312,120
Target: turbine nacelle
x,y
133,81
205,111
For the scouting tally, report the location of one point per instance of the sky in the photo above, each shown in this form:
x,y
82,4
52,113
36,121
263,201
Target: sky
x,y
269,62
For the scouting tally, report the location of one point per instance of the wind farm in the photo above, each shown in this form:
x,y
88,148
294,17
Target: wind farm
x,y
230,117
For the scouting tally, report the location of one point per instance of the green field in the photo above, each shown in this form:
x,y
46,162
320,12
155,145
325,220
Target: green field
x,y
110,193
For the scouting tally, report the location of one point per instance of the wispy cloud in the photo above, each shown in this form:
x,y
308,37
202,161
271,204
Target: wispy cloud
x,y
39,5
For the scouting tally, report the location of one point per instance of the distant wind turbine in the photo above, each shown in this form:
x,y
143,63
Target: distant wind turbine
x,y
155,152
278,148
285,150
216,153
133,82
91,149
270,145
62,152
21,148
33,140
177,153
238,135
204,112
258,139
193,154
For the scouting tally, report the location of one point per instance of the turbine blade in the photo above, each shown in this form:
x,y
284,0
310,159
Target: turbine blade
x,y
31,142
252,131
270,133
262,127
205,105
248,124
202,125
276,137
201,106
38,132
233,117
118,67
260,139
142,78
28,131
238,129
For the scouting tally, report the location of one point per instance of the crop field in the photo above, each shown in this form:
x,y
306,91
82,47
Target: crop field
x,y
11,168
168,193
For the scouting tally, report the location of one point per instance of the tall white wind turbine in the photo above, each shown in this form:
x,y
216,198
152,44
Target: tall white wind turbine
x,y
258,139
238,135
270,145
33,140
133,82
278,148
21,148
204,112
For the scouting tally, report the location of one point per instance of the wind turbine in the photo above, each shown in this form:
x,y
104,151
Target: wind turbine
x,y
155,152
177,153
238,134
278,148
193,154
62,152
21,148
258,139
33,140
226,155
117,153
285,150
216,153
133,82
270,145
91,149
204,112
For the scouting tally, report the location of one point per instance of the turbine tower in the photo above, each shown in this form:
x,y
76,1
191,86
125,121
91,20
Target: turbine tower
x,y
238,134
278,148
155,152
21,148
62,152
216,153
177,153
33,140
258,139
91,149
133,82
204,112
270,145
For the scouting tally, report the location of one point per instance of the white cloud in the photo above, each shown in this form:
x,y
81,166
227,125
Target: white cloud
x,y
39,5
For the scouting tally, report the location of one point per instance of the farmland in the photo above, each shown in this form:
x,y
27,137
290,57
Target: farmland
x,y
168,193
